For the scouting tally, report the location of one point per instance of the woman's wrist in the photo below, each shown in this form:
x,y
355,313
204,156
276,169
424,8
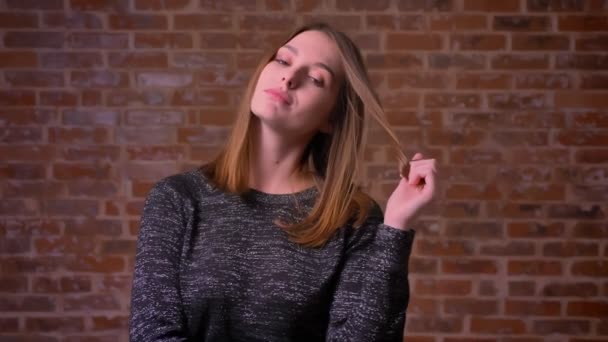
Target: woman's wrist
x,y
397,224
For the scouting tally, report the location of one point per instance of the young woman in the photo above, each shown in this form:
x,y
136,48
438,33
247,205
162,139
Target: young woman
x,y
274,240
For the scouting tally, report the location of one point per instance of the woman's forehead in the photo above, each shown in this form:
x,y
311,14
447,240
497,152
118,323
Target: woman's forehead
x,y
316,47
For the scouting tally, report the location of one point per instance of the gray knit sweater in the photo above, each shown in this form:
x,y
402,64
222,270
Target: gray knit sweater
x,y
212,266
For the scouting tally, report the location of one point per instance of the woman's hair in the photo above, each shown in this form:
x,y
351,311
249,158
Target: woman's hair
x,y
335,159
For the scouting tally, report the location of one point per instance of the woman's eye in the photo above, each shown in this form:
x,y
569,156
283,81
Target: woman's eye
x,y
280,61
317,82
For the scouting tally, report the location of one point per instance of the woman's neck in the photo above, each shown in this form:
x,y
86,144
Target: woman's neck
x,y
275,165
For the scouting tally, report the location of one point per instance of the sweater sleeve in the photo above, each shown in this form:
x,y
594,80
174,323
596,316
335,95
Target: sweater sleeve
x,y
372,293
156,313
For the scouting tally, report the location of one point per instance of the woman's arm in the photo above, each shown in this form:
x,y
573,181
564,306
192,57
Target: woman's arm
x,y
156,309
373,292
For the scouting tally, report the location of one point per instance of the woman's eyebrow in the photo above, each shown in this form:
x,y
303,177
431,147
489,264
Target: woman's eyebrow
x,y
319,64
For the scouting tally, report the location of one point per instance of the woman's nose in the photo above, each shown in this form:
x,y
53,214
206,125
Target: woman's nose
x,y
290,79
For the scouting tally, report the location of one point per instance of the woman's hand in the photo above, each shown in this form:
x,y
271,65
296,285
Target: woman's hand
x,y
412,193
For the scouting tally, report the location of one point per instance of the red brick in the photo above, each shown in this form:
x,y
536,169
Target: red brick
x,y
17,39
535,230
582,100
95,135
138,60
509,139
274,22
520,62
86,40
561,326
562,289
9,324
72,20
534,267
497,326
590,155
414,5
163,40
592,43
451,100
362,5
594,81
423,306
469,266
466,306
478,191
582,23
521,23
532,308
54,324
481,42
13,284
590,230
107,264
433,324
511,248
457,61
522,288
18,59
540,42
543,81
110,323
422,265
590,268
28,304
34,78
35,4
483,81
530,192
202,22
228,5
402,61
481,230
568,249
223,40
17,98
444,248
63,245
492,6
308,5
341,22
18,20
91,302
58,98
399,100
156,152
71,60
555,5
99,79
597,309
438,287
511,101
581,61
481,156
413,41
160,5
582,138
458,22
137,21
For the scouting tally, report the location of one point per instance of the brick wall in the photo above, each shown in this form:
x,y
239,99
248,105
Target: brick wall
x,y
101,98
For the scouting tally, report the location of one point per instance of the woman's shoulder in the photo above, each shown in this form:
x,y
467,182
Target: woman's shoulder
x,y
188,184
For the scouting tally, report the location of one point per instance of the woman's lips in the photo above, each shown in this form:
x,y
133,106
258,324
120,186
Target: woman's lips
x,y
277,94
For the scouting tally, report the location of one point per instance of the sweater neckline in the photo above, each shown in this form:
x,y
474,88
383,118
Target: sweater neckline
x,y
264,197
287,198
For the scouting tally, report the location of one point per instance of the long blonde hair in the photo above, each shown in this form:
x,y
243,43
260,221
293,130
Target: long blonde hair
x,y
336,158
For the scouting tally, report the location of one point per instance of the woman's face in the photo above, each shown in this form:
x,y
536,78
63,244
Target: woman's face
x,y
296,91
